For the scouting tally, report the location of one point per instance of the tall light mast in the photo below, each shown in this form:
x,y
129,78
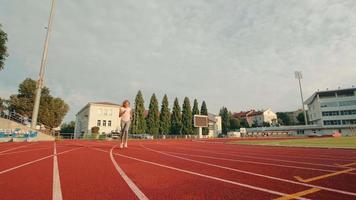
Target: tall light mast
x,y
299,76
42,69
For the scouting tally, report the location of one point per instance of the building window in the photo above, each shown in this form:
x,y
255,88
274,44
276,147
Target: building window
x,y
99,111
332,122
349,121
105,112
330,113
348,112
348,103
98,123
109,123
104,122
110,112
329,104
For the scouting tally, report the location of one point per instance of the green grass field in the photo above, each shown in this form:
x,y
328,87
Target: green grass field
x,y
342,142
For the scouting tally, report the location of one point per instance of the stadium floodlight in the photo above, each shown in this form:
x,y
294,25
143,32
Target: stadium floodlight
x,y
39,85
299,76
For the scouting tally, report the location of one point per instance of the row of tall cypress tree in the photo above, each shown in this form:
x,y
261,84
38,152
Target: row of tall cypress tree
x,y
163,121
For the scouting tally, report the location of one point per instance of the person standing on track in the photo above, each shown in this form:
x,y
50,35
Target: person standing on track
x,y
125,114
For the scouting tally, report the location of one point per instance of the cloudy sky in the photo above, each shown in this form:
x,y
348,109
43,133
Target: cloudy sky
x,y
238,53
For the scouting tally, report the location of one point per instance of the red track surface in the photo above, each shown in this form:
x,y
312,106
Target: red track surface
x,y
173,169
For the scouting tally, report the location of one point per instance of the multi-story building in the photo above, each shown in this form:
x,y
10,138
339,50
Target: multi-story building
x,y
104,115
257,118
332,107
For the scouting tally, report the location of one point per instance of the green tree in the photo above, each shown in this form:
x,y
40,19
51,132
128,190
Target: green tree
x,y
225,119
23,102
235,124
139,122
165,117
68,127
153,117
284,118
1,104
52,110
301,118
244,123
195,111
187,117
176,119
3,48
204,111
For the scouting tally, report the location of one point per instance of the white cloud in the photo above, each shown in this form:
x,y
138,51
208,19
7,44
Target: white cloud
x,y
241,54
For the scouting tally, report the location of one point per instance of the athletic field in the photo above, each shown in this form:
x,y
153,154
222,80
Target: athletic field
x,y
174,169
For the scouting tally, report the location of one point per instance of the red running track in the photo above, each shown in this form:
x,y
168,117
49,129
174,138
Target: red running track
x,y
173,169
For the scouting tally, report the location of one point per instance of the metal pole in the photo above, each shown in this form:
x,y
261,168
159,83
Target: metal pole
x,y
42,69
299,76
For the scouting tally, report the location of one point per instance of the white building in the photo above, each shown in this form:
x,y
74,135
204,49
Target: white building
x,y
257,118
104,115
332,107
215,127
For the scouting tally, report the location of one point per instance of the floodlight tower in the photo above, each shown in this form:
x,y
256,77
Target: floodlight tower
x,y
299,76
39,85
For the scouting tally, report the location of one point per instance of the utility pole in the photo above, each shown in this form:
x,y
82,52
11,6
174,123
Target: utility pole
x,y
299,76
39,85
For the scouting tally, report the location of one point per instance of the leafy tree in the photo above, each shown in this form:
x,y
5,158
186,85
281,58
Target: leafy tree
x,y
1,104
195,111
3,48
23,102
68,127
284,118
301,118
225,119
204,111
266,124
139,122
52,110
244,123
176,119
187,117
165,117
234,123
153,117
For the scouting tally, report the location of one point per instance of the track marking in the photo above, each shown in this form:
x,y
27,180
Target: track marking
x,y
34,161
140,195
323,176
57,191
323,157
298,194
24,151
15,148
348,165
203,175
256,174
263,158
252,162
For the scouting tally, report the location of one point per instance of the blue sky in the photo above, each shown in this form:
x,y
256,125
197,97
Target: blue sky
x,y
235,53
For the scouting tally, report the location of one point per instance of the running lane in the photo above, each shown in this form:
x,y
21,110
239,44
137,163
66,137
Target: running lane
x,y
89,174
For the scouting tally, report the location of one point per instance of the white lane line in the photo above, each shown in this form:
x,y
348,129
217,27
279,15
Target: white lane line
x,y
255,174
205,176
140,195
34,161
319,157
15,152
262,158
252,162
15,148
57,191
